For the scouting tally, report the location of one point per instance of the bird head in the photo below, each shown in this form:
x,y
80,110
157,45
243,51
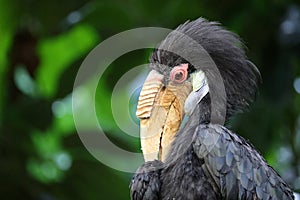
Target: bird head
x,y
198,70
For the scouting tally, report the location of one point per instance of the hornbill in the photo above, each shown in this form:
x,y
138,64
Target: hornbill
x,y
188,153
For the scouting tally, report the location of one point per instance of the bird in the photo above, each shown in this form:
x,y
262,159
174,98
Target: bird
x,y
199,78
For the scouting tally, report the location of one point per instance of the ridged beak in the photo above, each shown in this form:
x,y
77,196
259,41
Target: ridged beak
x,y
160,109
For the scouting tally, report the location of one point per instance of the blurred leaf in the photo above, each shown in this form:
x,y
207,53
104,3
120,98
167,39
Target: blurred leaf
x,y
41,155
6,30
59,52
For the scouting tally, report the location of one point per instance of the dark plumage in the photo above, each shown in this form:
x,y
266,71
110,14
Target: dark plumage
x,y
240,76
206,160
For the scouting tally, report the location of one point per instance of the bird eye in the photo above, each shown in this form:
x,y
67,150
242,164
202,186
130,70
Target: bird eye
x,y
179,73
178,76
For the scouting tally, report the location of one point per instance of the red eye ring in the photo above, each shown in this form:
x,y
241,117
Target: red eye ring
x,y
179,73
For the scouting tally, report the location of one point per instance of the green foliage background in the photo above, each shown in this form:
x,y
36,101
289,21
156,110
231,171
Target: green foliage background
x,y
43,43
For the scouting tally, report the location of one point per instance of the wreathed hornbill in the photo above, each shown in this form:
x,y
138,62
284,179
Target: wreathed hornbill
x,y
188,154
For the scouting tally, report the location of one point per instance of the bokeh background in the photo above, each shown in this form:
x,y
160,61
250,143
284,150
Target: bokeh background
x,y
42,45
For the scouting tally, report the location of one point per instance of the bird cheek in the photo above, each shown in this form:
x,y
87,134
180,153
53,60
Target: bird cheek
x,y
194,98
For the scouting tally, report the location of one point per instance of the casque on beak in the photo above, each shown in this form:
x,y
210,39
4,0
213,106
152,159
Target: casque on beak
x,y
160,109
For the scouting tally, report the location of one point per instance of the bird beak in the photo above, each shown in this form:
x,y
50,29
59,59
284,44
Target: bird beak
x,y
160,109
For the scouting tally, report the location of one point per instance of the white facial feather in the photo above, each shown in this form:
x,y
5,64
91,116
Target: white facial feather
x,y
198,80
200,89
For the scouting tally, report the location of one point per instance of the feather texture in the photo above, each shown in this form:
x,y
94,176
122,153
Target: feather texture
x,y
206,160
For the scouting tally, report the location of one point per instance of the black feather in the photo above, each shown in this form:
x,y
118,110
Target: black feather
x,y
240,76
206,160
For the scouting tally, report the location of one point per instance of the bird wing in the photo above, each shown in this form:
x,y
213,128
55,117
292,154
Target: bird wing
x,y
145,184
237,169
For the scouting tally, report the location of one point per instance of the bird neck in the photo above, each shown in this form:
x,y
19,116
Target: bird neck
x,y
201,114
